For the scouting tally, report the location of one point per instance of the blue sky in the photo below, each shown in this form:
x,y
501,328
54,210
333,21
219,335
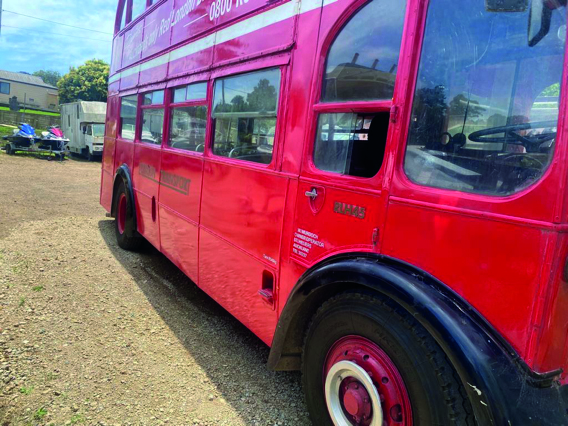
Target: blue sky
x,y
31,47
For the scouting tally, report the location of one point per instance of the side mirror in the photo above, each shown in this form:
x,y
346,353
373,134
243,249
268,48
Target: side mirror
x,y
506,5
539,21
84,130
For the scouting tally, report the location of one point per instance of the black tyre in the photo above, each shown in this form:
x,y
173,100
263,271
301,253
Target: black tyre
x,y
9,149
89,155
126,235
359,350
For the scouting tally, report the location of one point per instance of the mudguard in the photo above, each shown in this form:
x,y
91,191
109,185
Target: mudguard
x,y
502,389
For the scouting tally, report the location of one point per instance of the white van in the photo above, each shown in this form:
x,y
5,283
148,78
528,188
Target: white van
x,y
84,124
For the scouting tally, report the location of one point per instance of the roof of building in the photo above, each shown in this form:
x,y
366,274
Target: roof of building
x,y
24,78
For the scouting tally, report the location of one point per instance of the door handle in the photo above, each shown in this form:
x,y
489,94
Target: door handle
x,y
312,194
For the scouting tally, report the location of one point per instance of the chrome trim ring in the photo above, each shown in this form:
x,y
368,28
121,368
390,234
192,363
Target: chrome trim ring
x,y
339,372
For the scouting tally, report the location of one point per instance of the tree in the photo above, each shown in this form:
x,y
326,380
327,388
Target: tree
x,y
430,110
263,97
460,106
88,82
49,77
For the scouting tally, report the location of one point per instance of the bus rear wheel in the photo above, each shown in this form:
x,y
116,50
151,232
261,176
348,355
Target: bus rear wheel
x,y
126,235
366,362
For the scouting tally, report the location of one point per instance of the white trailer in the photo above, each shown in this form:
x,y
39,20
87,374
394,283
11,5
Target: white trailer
x,y
83,123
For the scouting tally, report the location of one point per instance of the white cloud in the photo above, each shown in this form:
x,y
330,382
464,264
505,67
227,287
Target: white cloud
x,y
33,45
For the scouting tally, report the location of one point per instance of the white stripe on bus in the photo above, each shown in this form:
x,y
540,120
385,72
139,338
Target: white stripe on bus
x,y
247,26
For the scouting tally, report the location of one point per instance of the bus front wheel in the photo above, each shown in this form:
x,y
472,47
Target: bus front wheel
x,y
126,235
367,362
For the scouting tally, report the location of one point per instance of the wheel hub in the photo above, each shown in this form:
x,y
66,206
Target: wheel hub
x,y
357,401
363,386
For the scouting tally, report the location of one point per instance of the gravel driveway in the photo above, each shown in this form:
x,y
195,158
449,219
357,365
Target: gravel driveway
x,y
91,334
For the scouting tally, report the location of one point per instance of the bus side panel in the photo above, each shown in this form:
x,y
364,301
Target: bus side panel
x,y
494,265
233,278
245,207
192,62
242,211
131,51
146,175
273,38
117,45
153,75
298,106
551,348
178,238
107,169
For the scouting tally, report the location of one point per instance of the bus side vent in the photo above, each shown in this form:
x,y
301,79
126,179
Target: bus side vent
x,y
267,290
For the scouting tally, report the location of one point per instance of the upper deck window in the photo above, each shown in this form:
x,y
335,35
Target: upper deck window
x,y
138,7
128,107
244,110
485,110
363,59
122,17
188,117
152,119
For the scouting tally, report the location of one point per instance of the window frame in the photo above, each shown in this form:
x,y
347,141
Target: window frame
x,y
5,83
355,107
128,9
140,112
280,112
170,106
136,118
440,195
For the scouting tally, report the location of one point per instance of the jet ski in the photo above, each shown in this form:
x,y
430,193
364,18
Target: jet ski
x,y
53,139
23,137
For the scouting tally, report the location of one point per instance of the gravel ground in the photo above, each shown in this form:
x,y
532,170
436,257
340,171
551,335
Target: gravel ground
x,y
91,334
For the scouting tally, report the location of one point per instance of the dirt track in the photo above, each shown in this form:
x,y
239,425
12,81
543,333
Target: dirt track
x,y
90,334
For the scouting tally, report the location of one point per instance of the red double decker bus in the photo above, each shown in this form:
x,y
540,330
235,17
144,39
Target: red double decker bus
x,y
375,188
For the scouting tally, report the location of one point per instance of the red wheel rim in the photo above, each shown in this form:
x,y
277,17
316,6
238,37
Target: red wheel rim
x,y
121,214
395,403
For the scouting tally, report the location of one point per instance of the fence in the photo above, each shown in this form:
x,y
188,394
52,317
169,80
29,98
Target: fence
x,y
35,120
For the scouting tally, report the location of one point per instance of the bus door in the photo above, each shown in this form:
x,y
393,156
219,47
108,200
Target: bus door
x,y
341,196
147,157
180,175
243,200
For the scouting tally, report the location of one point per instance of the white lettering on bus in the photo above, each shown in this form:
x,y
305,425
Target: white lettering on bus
x,y
304,241
309,239
220,7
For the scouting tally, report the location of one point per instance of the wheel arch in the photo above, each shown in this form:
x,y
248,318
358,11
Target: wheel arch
x,y
481,357
123,175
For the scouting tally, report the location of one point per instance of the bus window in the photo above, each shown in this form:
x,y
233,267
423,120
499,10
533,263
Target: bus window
x,y
138,6
152,117
123,16
244,110
485,110
363,59
188,122
191,92
128,107
351,144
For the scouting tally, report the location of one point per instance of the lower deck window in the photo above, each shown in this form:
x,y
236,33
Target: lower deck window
x,y
187,128
244,110
128,107
351,144
152,125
